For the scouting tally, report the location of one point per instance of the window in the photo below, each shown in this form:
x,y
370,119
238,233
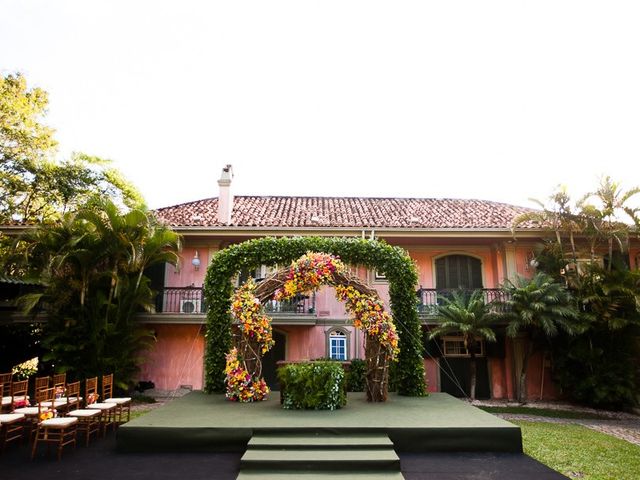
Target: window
x,y
454,347
458,271
337,345
257,274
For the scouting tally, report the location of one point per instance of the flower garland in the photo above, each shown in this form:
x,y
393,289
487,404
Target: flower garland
x,y
370,316
312,270
247,309
240,386
308,273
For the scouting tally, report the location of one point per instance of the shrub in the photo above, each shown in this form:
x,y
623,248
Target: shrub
x,y
312,386
356,376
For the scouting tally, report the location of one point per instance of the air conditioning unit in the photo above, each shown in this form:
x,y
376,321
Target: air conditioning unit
x,y
190,306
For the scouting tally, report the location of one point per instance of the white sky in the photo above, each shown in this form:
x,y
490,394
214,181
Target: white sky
x,y
500,100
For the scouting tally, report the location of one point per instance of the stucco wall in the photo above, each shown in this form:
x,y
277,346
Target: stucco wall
x,y
176,358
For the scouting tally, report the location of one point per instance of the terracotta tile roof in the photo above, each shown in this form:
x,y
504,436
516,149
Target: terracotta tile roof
x,y
346,212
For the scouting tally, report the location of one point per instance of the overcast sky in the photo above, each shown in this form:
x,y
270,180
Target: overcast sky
x,y
499,100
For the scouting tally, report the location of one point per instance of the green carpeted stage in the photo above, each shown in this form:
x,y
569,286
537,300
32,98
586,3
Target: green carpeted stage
x,y
201,422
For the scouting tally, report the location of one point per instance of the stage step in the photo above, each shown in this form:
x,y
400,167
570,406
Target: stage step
x,y
321,441
317,475
320,455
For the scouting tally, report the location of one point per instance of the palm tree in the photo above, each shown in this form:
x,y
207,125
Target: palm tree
x,y
470,316
539,307
558,216
92,264
605,218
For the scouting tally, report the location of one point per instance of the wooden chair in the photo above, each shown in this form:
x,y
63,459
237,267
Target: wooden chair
x,y
19,394
30,412
88,418
72,396
59,380
11,428
123,403
5,392
41,383
108,410
60,431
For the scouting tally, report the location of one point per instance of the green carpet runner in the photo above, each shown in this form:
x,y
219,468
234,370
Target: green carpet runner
x,y
311,456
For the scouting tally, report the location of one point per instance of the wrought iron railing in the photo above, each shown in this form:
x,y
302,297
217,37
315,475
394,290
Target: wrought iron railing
x,y
301,304
185,300
430,298
190,300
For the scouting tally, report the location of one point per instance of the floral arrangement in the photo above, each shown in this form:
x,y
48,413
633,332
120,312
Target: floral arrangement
x,y
26,369
46,415
308,273
370,316
241,387
60,392
248,310
20,403
92,398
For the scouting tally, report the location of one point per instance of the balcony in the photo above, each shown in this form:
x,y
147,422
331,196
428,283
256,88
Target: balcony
x,y
190,301
430,298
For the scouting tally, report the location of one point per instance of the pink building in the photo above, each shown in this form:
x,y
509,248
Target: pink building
x,y
455,243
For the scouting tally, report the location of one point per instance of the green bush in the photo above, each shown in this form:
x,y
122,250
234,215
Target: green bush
x,y
356,376
312,386
598,368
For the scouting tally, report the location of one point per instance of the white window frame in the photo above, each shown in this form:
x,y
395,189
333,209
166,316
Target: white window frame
x,y
458,349
341,335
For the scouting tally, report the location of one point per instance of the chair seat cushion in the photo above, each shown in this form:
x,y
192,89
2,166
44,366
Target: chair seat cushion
x,y
119,401
59,402
19,399
27,410
102,406
11,417
71,399
59,422
84,413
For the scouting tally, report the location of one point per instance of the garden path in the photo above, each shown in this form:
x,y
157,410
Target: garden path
x,y
626,428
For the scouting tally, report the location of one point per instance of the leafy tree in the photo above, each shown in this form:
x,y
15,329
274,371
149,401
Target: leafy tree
x,y
34,187
539,307
604,218
598,366
92,263
470,316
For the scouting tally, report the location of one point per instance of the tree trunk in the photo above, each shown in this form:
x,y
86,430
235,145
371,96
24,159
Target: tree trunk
x,y
522,380
472,376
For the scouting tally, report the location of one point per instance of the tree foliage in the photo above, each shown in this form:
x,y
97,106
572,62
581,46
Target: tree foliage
x,y
34,186
541,308
394,262
92,264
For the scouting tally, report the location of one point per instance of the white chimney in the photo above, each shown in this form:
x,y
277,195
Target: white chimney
x,y
225,198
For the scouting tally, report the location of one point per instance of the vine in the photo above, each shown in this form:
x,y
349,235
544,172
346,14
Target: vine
x,y
394,262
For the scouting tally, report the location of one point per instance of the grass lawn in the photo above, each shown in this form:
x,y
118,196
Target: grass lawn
x,y
579,452
138,413
544,412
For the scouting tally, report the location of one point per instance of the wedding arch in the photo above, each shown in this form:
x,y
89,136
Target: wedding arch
x,y
244,381
394,262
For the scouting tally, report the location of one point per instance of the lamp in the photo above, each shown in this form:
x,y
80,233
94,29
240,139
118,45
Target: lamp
x,y
195,261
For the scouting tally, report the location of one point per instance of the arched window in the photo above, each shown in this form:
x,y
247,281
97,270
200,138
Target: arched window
x,y
458,271
338,345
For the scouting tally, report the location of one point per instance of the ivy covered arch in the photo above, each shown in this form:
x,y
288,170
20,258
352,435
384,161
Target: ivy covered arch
x,y
394,262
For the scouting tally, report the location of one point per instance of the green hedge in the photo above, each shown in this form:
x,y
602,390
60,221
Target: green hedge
x,y
394,262
357,376
312,386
